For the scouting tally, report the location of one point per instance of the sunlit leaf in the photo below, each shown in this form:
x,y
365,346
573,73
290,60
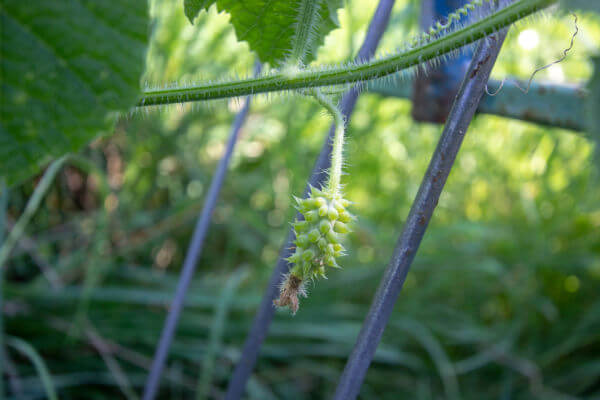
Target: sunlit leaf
x,y
269,26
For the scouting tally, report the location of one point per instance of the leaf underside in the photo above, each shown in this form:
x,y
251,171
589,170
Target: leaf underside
x,y
68,67
269,25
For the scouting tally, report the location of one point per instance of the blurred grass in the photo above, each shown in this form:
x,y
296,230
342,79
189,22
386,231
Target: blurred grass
x,y
502,301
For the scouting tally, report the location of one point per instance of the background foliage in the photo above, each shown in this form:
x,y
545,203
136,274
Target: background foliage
x,y
502,301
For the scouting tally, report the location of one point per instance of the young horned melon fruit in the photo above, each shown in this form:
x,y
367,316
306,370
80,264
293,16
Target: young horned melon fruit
x,y
323,224
317,244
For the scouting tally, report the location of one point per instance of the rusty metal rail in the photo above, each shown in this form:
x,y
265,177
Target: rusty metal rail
x,y
558,106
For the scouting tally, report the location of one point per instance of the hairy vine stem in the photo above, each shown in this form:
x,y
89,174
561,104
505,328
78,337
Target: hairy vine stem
x,y
335,172
281,81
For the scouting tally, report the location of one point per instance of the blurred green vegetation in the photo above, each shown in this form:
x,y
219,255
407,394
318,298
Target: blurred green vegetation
x,y
503,300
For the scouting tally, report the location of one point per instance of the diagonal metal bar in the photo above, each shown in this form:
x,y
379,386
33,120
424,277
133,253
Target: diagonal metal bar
x,y
421,211
192,256
266,310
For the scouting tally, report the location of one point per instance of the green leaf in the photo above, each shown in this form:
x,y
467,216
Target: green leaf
x,y
192,8
271,27
68,67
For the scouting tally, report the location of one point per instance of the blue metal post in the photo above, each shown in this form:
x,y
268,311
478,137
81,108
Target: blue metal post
x,y
419,216
435,88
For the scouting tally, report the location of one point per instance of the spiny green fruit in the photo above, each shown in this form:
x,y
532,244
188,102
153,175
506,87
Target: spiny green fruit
x,y
318,242
319,234
318,239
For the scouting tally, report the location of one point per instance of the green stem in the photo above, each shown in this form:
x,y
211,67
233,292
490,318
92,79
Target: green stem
x,y
3,209
216,332
38,362
337,147
30,209
352,73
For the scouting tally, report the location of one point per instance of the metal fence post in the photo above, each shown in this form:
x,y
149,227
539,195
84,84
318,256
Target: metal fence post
x,y
421,211
434,90
192,256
